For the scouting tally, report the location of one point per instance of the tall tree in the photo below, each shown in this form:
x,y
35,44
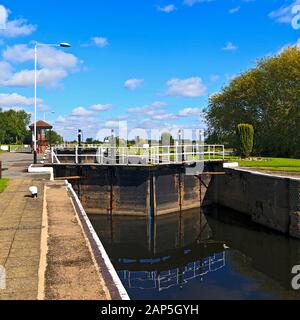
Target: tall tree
x,y
268,97
13,126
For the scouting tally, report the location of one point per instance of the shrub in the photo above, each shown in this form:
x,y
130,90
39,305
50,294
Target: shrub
x,y
245,134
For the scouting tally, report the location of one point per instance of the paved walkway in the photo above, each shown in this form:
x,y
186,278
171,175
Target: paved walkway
x,y
42,246
20,236
72,272
15,164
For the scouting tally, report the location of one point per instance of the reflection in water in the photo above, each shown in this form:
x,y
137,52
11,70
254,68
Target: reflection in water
x,y
163,280
197,256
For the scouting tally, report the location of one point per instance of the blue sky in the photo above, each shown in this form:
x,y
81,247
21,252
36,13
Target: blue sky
x,y
150,63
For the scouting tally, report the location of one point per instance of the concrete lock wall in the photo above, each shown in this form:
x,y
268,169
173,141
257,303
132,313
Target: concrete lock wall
x,y
271,201
134,190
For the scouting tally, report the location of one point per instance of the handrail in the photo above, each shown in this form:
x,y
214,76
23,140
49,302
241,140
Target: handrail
x,y
138,155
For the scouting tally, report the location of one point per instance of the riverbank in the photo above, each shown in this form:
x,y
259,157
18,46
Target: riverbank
x,y
43,247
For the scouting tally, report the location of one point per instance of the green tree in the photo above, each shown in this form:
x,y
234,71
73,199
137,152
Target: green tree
x,y
245,134
53,137
89,140
268,97
13,126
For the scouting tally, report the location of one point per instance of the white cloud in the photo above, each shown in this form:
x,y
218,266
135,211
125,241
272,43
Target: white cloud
x,y
114,124
191,87
133,84
18,53
192,2
48,57
61,119
90,111
284,13
152,112
25,78
14,28
159,104
186,112
55,65
167,116
234,10
57,59
148,109
230,47
139,109
12,100
101,107
17,28
167,9
81,112
3,17
100,41
5,71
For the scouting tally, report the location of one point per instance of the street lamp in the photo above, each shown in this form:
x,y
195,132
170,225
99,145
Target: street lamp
x,y
62,45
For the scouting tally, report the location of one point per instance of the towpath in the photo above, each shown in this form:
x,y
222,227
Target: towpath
x,y
44,252
15,164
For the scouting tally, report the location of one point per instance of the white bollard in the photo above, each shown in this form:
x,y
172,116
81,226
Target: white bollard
x,y
34,191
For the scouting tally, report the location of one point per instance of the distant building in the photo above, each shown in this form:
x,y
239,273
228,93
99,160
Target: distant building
x,y
42,127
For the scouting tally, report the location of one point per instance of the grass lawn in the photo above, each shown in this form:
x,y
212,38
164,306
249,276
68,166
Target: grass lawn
x,y
3,184
272,164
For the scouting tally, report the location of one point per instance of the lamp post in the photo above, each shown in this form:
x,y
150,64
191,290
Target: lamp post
x,y
62,45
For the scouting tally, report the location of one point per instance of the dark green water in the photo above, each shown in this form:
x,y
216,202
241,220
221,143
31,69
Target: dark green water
x,y
216,255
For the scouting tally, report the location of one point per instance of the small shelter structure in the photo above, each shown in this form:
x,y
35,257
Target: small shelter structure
x,y
41,127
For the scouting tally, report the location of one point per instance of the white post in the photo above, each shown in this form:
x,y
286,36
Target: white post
x,y
76,154
35,105
52,155
176,152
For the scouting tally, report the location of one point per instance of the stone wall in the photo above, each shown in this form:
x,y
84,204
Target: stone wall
x,y
270,200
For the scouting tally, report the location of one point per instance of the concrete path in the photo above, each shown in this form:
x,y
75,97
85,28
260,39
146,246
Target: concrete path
x,y
20,237
15,164
43,249
72,272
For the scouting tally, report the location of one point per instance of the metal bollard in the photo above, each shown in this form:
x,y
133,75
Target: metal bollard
x,y
0,169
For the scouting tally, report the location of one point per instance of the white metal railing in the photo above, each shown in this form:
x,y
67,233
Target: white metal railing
x,y
153,155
